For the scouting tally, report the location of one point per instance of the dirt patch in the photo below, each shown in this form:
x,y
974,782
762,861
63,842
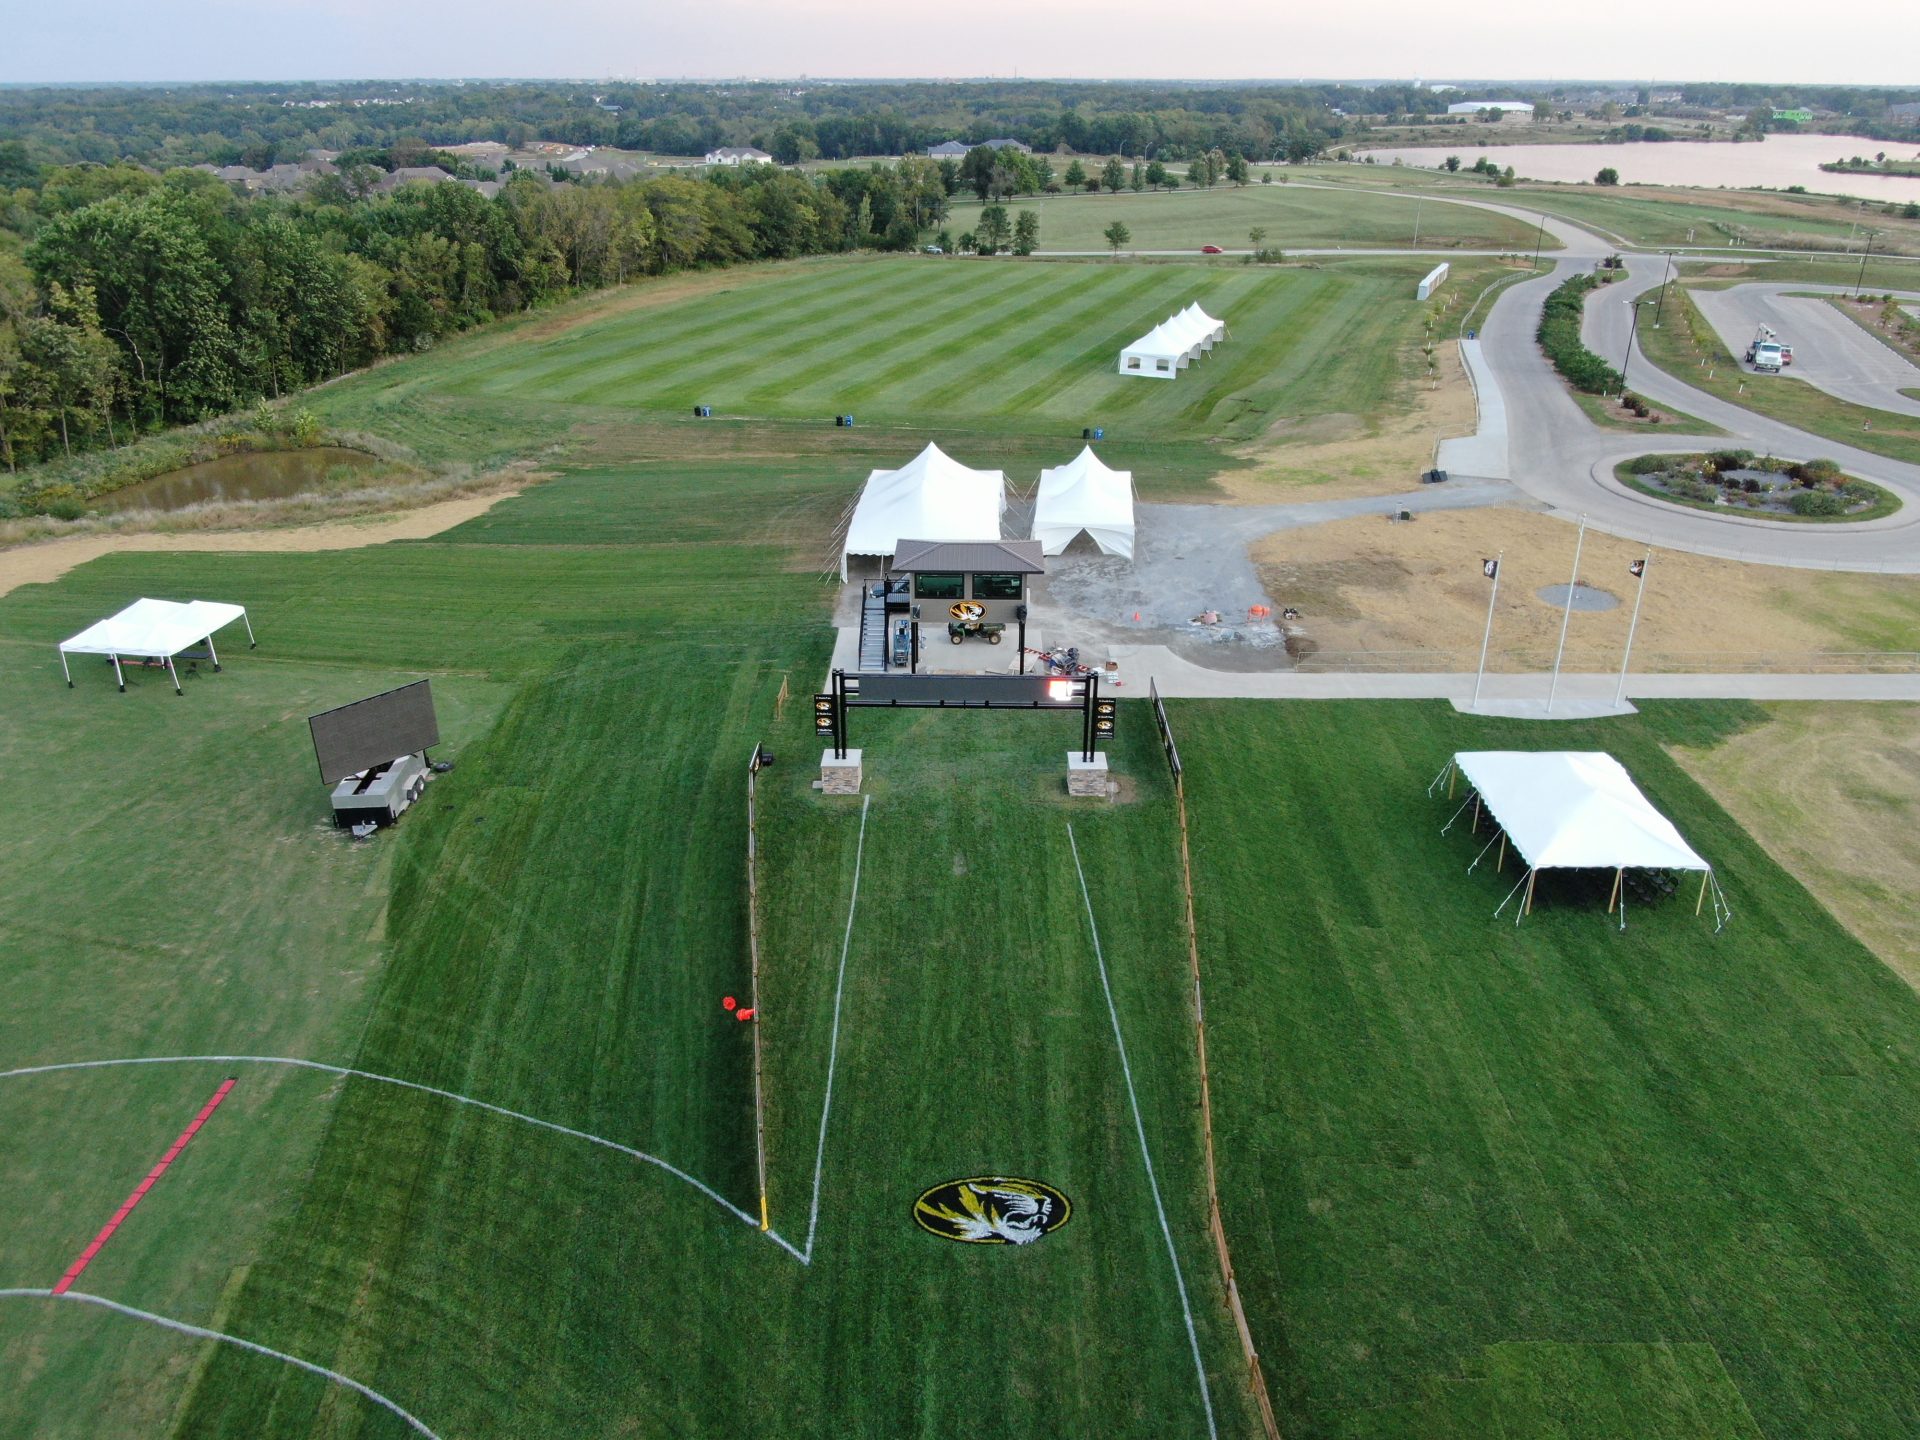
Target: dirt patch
x,y
1833,792
1338,457
43,563
1415,591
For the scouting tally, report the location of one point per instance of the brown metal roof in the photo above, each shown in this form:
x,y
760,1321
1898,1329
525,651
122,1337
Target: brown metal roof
x,y
1001,557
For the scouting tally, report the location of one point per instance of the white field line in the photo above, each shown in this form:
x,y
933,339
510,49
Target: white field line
x,y
833,1043
202,1333
1186,1310
655,1160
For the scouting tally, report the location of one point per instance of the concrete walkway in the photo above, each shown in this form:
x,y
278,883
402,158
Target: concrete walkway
x,y
1181,678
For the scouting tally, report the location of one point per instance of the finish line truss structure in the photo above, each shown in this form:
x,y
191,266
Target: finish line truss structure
x,y
964,692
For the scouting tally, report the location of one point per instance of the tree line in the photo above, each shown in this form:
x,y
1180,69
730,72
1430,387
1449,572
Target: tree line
x,y
131,301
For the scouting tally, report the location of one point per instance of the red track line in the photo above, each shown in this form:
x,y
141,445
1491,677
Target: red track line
x,y
140,1191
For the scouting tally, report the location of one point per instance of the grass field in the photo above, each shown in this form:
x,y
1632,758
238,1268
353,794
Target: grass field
x,y
551,932
1554,1180
1559,1181
1294,216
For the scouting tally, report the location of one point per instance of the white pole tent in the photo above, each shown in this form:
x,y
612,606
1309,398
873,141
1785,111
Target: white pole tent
x,y
931,497
155,631
1085,494
1572,810
1167,349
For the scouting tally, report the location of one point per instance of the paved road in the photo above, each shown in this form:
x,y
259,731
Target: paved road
x,y
1830,352
1559,457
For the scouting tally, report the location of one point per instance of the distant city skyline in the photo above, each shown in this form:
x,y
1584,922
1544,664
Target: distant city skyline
x,y
1855,42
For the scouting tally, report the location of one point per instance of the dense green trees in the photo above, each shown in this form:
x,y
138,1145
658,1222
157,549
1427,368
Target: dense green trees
x,y
146,300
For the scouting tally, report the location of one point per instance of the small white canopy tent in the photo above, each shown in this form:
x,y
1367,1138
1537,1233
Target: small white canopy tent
x,y
155,630
1085,494
1573,810
931,497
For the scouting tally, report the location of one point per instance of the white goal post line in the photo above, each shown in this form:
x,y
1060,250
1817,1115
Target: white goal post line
x,y
1140,1129
200,1332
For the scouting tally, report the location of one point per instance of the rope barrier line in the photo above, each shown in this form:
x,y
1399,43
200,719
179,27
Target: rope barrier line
x,y
1256,1377
140,1192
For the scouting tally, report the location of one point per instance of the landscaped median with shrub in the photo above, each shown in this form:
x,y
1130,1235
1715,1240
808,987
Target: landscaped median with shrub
x,y
1559,337
1764,487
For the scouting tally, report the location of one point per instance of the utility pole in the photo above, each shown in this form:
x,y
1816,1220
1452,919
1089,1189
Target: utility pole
x,y
1663,291
1416,221
1627,359
1861,279
1539,239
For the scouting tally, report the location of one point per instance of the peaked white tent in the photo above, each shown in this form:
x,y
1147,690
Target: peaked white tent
x,y
1085,494
1574,810
931,497
155,630
1167,349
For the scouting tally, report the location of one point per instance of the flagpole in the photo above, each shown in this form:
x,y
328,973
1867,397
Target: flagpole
x,y
1480,674
1567,617
1620,690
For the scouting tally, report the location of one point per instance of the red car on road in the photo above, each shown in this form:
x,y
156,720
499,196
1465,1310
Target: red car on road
x,y
1211,250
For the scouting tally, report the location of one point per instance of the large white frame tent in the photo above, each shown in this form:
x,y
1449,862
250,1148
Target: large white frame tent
x,y
931,497
1085,494
155,630
1176,342
1572,810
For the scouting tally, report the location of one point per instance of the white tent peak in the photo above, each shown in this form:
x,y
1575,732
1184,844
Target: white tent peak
x,y
1085,494
931,497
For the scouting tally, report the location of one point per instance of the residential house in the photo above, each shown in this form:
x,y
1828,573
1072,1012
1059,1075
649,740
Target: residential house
x,y
738,155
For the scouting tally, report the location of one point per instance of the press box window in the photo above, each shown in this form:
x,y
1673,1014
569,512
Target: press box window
x,y
996,587
936,586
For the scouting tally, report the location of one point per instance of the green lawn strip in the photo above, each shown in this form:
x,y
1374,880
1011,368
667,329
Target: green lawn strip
x,y
1439,1132
500,1280
1293,216
1675,349
1885,502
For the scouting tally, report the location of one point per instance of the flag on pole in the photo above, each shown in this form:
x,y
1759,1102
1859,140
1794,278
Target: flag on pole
x,y
1489,568
1637,568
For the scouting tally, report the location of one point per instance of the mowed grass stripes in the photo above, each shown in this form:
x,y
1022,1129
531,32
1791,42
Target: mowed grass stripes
x,y
915,341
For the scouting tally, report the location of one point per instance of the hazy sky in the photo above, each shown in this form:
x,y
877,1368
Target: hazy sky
x,y
1849,41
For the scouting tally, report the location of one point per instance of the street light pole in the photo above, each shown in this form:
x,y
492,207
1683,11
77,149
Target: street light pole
x,y
1663,291
1627,359
1539,239
1416,220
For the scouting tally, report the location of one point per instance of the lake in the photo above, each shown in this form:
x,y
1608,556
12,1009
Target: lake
x,y
253,475
1776,162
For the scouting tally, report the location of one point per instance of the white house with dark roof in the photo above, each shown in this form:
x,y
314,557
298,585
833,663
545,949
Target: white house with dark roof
x,y
738,155
957,149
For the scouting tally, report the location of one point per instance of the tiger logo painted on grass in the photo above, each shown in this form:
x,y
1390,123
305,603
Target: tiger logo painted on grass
x,y
992,1210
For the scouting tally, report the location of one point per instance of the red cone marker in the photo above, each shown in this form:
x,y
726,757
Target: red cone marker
x,y
727,1002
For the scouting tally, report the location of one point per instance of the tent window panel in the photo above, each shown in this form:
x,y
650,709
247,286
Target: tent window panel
x,y
997,587
1133,362
1160,365
939,585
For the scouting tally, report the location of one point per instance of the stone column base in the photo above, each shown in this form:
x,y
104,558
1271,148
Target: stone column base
x,y
840,777
1087,777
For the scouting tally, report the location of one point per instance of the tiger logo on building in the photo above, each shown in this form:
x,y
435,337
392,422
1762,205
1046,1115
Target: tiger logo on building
x,y
992,1210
